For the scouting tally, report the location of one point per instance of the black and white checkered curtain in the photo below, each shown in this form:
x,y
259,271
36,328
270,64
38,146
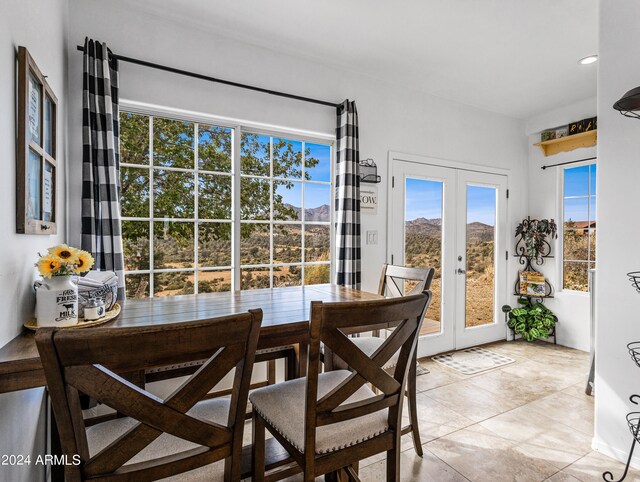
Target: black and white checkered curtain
x,y
347,205
101,229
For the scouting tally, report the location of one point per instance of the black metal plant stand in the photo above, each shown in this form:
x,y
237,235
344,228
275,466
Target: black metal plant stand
x,y
528,263
633,418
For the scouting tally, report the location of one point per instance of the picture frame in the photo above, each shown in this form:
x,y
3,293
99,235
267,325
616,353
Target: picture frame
x,y
36,150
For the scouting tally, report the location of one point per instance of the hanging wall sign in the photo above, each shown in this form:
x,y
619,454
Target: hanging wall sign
x,y
369,200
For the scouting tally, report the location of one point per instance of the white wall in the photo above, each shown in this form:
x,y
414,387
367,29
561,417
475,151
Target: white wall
x,y
38,25
391,118
618,178
545,193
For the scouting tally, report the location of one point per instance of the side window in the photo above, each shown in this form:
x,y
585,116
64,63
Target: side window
x,y
579,226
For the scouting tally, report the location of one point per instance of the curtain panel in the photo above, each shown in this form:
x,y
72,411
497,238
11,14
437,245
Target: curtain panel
x,y
101,226
347,197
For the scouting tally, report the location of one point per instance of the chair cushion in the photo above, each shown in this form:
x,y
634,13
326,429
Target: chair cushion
x,y
283,406
101,435
368,345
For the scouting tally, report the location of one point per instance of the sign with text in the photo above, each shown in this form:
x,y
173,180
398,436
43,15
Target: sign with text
x,y
369,200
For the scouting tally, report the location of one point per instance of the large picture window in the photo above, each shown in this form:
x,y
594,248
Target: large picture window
x,y
185,228
579,226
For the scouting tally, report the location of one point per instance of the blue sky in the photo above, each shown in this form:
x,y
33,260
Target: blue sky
x,y
315,194
424,199
579,181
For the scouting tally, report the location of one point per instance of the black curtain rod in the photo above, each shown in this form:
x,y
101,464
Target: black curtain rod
x,y
220,81
569,162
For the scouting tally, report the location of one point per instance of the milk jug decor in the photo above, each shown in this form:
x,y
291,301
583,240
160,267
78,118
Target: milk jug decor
x,y
57,294
57,302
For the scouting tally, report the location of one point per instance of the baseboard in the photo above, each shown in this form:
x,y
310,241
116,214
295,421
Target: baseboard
x,y
615,453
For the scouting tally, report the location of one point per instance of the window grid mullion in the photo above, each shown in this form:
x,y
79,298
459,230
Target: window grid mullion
x,y
271,189
196,214
236,138
151,213
303,214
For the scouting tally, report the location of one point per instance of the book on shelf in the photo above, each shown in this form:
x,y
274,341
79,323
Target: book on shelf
x,y
532,283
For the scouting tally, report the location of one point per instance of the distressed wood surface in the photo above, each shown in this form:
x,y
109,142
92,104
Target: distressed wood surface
x,y
285,321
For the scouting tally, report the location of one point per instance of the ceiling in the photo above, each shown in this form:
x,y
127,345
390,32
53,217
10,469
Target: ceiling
x,y
514,57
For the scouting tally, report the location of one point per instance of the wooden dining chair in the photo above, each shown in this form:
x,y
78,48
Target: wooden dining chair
x,y
153,438
395,281
329,421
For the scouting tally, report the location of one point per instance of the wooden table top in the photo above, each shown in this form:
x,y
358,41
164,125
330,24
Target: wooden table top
x,y
286,318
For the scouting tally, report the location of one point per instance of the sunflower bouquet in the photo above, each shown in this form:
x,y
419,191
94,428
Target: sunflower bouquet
x,y
63,260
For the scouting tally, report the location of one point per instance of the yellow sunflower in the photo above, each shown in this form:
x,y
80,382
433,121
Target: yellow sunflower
x,y
84,262
66,253
48,265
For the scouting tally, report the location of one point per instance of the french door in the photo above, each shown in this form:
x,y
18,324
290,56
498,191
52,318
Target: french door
x,y
455,221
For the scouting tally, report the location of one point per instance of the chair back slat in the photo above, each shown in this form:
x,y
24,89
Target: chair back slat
x,y
93,361
330,322
394,279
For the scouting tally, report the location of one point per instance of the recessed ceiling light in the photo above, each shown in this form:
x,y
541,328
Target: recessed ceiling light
x,y
588,60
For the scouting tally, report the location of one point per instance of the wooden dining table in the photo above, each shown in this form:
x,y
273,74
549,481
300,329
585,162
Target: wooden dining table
x,y
285,322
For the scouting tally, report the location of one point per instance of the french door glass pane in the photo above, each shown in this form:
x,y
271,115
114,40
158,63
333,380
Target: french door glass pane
x,y
423,240
480,254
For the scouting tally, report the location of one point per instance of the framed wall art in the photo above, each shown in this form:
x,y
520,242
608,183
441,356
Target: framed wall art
x,y
36,150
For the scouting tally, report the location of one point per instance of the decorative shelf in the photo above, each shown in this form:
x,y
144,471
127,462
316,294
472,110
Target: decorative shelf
x,y
568,143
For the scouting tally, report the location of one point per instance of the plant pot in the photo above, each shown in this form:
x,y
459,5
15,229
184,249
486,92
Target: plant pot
x,y
57,301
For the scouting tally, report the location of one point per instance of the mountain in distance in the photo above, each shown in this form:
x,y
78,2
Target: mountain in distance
x,y
321,213
476,231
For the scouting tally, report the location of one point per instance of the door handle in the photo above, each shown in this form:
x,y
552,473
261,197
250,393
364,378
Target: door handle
x,y
461,271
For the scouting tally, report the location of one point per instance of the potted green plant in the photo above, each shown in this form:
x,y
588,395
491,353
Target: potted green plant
x,y
533,234
531,320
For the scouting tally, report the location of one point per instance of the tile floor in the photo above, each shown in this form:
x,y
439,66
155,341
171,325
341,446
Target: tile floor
x,y
527,421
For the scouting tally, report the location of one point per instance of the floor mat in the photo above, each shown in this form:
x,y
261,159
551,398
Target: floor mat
x,y
472,360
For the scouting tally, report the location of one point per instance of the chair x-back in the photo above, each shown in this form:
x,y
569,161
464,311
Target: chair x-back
x,y
332,420
152,438
395,281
